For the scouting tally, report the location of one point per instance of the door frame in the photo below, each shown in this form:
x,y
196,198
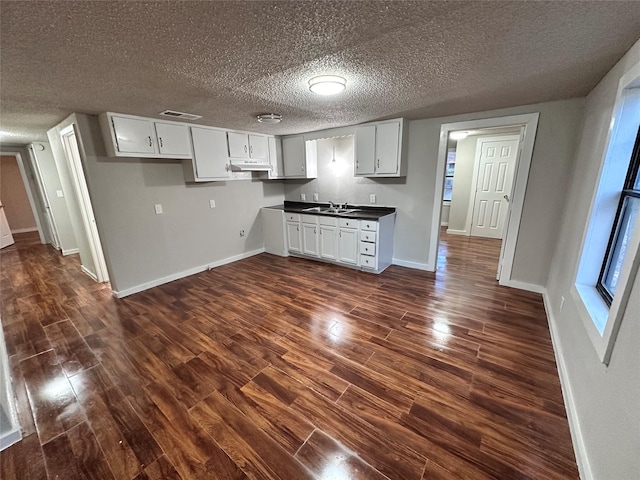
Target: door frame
x,y
476,174
512,227
81,190
27,187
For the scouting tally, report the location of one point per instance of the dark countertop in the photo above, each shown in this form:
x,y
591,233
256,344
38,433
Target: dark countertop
x,y
365,212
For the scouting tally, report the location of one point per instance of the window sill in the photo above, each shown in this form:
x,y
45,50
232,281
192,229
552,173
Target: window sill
x,y
593,306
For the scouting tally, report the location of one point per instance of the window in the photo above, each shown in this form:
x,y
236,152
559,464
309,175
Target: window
x,y
448,175
626,217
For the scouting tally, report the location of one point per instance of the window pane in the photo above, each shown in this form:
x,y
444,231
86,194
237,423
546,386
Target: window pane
x,y
628,218
448,187
451,163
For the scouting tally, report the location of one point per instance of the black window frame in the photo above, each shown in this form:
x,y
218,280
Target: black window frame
x,y
629,189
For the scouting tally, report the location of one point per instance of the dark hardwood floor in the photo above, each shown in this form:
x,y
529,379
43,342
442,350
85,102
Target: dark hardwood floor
x,y
282,368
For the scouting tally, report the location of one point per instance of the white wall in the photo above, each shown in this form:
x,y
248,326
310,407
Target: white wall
x,y
141,247
58,205
553,155
606,400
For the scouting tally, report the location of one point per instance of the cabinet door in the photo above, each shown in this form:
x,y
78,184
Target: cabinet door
x,y
348,246
134,135
258,147
210,153
328,242
293,156
238,145
365,153
387,147
275,157
173,139
310,239
293,237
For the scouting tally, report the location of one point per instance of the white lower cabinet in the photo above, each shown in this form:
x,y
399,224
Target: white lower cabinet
x,y
348,245
365,244
294,235
329,242
310,235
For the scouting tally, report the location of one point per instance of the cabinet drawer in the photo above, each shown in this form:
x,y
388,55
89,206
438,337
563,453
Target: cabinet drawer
x,y
367,248
368,262
368,236
347,223
293,217
368,225
331,221
313,219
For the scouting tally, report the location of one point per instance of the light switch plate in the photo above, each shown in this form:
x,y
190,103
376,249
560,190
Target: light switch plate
x,y
372,198
59,193
316,197
158,208
212,203
303,197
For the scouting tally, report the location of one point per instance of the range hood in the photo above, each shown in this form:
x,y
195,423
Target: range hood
x,y
249,165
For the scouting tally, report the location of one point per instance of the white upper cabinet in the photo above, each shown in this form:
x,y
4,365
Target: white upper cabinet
x,y
173,139
243,145
274,145
380,149
210,160
365,150
300,158
133,135
130,136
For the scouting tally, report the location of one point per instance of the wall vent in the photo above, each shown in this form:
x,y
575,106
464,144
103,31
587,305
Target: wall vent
x,y
180,115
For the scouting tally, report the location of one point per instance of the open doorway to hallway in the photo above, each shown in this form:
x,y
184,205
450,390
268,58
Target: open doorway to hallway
x,y
479,178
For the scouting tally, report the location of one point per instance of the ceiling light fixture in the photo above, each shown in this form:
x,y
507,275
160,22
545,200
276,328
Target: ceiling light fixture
x,y
458,135
327,84
269,118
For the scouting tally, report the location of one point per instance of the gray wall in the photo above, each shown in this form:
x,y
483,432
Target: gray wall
x,y
553,154
142,247
58,205
606,399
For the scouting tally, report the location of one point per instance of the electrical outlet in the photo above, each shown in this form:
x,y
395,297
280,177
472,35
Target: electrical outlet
x,y
303,197
212,203
59,193
242,233
561,303
372,198
158,208
316,197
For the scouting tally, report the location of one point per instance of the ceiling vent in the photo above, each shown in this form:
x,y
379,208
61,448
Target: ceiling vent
x,y
180,115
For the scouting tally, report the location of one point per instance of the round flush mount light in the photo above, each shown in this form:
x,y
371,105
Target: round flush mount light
x,y
269,118
458,135
327,84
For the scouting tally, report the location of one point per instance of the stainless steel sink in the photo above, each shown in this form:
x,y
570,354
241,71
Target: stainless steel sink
x,y
334,210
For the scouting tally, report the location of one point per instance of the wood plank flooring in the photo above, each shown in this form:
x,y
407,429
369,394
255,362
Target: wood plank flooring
x,y
282,368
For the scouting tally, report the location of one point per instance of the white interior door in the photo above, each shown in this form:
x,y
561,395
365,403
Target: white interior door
x,y
6,238
493,187
89,222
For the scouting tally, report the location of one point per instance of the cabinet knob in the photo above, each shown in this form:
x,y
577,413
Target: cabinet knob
x,y
251,149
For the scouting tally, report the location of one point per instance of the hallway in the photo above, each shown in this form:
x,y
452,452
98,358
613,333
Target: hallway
x,y
284,368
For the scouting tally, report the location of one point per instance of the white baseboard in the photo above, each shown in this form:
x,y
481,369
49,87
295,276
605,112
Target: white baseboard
x,y
530,287
24,230
192,271
91,274
415,265
71,251
457,232
444,224
577,439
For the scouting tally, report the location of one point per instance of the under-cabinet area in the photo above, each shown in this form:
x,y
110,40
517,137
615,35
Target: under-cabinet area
x,y
361,237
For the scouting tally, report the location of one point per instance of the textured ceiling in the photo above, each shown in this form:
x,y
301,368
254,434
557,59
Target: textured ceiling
x,y
229,61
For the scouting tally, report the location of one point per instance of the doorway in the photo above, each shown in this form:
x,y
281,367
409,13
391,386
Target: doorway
x,y
485,186
95,265
19,213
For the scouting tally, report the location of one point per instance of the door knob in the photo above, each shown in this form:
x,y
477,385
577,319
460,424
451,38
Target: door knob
x,y
506,197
